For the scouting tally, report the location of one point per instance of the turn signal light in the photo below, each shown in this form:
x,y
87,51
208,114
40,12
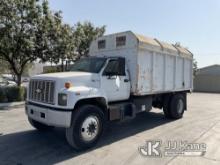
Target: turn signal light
x,y
68,85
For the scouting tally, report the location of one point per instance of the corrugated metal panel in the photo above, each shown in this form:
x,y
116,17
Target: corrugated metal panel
x,y
207,83
210,70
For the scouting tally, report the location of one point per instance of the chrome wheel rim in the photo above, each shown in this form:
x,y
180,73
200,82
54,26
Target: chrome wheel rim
x,y
90,128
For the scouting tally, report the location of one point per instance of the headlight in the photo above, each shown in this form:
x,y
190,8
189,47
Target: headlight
x,y
62,99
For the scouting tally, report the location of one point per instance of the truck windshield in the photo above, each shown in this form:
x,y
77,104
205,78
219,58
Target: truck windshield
x,y
93,65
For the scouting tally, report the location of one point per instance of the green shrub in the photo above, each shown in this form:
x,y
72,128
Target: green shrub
x,y
15,93
10,94
3,96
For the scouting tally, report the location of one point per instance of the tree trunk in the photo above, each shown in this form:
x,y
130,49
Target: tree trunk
x,y
18,80
66,66
62,65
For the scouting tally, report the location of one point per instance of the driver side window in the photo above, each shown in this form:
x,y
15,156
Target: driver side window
x,y
115,67
112,68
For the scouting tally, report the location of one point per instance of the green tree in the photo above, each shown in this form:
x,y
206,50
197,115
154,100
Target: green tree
x,y
63,41
29,30
20,43
84,34
195,67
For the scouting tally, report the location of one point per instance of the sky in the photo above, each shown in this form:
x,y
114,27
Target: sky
x,y
193,23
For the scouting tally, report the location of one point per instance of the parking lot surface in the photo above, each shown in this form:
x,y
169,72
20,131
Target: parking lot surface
x,y
22,144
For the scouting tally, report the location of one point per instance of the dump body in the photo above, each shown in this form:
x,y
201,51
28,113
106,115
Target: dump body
x,y
154,66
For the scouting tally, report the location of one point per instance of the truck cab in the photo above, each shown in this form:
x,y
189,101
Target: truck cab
x,y
53,97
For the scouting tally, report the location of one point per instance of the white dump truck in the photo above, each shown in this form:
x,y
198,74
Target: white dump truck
x,y
126,74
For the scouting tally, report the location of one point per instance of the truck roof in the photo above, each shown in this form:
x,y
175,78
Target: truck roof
x,y
163,45
155,44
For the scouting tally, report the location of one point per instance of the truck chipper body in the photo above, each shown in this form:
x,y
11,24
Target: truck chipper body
x,y
125,74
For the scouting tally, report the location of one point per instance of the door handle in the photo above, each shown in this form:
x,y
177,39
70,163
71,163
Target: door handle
x,y
126,80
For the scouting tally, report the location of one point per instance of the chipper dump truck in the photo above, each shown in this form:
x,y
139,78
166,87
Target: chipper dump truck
x,y
125,74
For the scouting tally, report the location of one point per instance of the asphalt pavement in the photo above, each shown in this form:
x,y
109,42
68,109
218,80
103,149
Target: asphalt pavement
x,y
121,142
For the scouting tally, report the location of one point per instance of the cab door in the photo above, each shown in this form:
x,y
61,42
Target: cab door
x,y
115,80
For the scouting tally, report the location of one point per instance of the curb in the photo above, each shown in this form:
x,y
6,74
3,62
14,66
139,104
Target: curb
x,y
12,104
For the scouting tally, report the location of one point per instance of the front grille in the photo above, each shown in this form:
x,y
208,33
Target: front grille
x,y
42,91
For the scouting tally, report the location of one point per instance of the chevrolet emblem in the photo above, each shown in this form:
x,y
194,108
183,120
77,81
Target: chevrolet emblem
x,y
38,91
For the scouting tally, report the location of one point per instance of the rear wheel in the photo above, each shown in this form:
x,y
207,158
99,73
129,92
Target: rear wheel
x,y
86,127
174,106
177,106
39,126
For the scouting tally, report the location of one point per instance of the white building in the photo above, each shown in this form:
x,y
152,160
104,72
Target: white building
x,y
37,68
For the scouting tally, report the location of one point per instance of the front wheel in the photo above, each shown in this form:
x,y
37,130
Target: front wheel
x,y
86,127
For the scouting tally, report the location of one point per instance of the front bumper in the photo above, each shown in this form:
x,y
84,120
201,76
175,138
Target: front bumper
x,y
48,115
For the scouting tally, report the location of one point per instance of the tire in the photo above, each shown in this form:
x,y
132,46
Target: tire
x,y
177,106
166,107
39,126
86,127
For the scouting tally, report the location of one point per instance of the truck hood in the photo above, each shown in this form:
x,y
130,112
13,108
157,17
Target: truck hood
x,y
76,78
